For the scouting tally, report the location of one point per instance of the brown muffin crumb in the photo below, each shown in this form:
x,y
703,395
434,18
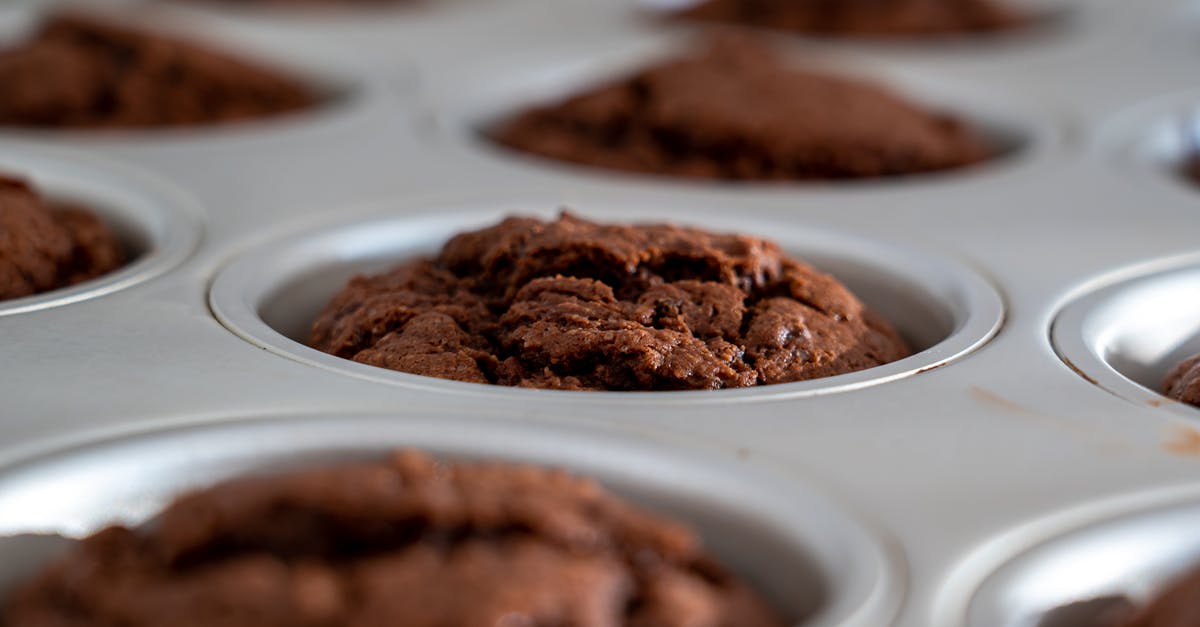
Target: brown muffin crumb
x,y
408,542
44,247
1183,381
573,304
735,111
1191,168
1174,606
862,17
84,72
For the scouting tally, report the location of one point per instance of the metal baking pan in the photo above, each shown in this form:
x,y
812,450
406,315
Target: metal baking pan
x,y
1044,289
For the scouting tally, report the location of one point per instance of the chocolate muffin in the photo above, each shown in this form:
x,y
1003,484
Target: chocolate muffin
x,y
862,17
578,305
44,246
1174,606
735,111
1191,168
409,542
1183,381
84,72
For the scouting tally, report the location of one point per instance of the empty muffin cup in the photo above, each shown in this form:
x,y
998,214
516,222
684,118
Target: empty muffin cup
x,y
817,564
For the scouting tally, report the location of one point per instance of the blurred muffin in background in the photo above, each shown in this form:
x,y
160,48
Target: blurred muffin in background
x,y
45,246
862,17
735,111
408,542
83,71
1191,168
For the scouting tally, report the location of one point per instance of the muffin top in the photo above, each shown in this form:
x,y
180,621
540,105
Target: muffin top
x,y
735,111
574,304
862,17
45,246
1183,381
80,71
408,542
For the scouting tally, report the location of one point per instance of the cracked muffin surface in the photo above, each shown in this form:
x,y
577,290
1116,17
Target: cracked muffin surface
x,y
575,304
863,17
409,542
735,111
45,246
83,71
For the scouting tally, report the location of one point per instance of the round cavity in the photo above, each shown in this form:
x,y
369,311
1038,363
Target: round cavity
x,y
819,565
157,225
1156,141
1126,335
271,296
467,106
339,95
1122,556
1167,137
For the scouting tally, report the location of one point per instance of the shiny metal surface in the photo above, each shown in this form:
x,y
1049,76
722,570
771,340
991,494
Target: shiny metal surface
x,y
1126,336
1125,555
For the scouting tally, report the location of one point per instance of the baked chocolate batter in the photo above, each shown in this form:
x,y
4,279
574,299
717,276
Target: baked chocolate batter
x,y
43,247
405,543
1174,606
1183,381
80,71
1191,168
862,17
573,304
735,111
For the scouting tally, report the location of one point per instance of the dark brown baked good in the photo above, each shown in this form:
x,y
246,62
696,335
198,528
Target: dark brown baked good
x,y
81,71
862,17
405,543
735,111
1183,381
1191,169
1177,605
573,304
43,246
1105,611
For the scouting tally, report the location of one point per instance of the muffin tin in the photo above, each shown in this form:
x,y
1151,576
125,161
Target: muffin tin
x,y
1024,443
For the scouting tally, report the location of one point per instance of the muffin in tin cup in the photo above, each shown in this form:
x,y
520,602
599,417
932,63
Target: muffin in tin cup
x,y
156,226
273,296
819,565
